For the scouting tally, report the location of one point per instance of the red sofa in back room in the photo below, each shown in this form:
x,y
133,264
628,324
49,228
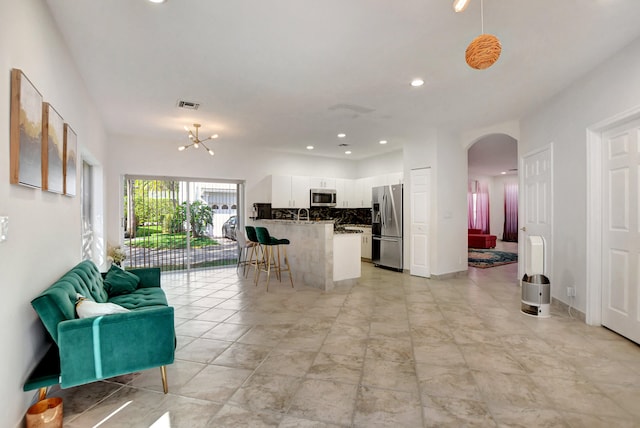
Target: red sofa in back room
x,y
477,239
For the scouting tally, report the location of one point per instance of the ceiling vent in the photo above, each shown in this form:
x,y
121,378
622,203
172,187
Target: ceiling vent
x,y
190,105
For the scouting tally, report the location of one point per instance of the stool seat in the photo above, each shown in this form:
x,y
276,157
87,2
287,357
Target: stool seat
x,y
275,241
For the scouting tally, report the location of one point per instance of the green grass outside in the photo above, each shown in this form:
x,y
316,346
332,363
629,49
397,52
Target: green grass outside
x,y
143,231
162,241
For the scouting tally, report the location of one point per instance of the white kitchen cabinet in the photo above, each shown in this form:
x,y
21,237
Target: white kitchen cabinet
x,y
362,194
289,191
346,263
322,183
387,179
345,193
300,196
365,241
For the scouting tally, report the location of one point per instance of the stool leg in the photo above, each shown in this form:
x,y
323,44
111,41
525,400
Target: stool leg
x,y
260,254
268,264
286,262
277,265
250,261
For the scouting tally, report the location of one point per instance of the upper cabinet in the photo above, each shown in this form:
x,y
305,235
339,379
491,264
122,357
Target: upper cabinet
x,y
362,192
345,193
293,191
322,183
289,191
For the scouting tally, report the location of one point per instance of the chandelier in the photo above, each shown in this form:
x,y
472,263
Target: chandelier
x,y
196,141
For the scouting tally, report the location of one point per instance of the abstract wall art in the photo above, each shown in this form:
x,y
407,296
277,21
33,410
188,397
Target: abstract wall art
x,y
52,150
70,160
26,132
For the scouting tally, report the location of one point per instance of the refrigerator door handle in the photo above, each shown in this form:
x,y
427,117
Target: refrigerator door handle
x,y
379,238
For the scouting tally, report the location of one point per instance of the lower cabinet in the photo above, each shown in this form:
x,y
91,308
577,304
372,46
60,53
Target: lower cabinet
x,y
346,263
365,241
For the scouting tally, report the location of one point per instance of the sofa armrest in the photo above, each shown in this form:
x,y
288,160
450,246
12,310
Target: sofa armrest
x,y
149,277
102,347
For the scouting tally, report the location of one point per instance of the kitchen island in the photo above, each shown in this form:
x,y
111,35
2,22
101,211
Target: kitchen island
x,y
319,256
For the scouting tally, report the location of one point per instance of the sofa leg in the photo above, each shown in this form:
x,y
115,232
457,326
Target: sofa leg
x,y
165,386
42,393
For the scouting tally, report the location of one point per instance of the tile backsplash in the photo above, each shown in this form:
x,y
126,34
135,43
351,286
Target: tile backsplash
x,y
341,216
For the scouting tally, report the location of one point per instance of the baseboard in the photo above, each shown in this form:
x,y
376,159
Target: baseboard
x,y
562,306
451,275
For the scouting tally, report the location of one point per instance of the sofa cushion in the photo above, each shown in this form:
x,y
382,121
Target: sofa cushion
x,y
119,281
141,298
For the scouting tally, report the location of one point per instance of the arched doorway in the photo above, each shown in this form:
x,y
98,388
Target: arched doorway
x,y
493,193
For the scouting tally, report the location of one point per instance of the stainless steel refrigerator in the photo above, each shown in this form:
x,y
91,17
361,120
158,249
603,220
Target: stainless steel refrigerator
x,y
386,226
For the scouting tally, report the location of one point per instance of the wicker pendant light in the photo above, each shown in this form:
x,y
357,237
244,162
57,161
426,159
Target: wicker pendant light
x,y
485,49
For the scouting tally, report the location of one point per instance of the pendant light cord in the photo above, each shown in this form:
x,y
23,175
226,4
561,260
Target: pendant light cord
x,y
482,16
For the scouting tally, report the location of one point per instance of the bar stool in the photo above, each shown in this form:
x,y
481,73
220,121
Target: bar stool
x,y
254,255
268,242
244,246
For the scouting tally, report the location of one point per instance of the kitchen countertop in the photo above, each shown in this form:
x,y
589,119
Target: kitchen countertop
x,y
341,229
309,222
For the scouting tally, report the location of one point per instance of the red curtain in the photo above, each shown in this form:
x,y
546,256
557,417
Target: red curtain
x,y
510,232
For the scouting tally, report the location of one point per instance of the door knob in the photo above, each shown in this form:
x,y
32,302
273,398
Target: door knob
x,y
523,228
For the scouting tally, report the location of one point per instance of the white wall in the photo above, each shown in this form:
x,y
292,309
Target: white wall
x,y
451,214
44,228
377,165
611,88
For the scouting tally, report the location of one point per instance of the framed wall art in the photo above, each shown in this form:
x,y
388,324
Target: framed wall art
x,y
52,150
25,132
70,160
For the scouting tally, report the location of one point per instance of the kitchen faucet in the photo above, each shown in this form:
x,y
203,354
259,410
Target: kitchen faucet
x,y
306,209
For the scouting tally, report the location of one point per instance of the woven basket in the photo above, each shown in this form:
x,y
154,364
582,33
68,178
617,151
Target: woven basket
x,y
483,51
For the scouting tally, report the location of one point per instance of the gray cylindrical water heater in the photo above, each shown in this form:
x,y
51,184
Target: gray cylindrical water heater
x,y
536,295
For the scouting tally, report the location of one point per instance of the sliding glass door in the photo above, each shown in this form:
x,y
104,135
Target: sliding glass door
x,y
178,224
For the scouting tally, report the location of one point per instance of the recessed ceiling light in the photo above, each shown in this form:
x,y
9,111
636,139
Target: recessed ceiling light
x,y
342,135
417,82
383,141
348,152
503,172
309,147
157,1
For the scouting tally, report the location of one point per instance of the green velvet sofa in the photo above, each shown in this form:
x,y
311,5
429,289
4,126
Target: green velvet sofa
x,y
85,350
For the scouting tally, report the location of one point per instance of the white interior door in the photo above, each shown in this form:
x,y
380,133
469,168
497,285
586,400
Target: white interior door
x,y
420,220
621,230
536,214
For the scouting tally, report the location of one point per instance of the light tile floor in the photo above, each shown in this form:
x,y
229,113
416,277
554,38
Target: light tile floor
x,y
391,351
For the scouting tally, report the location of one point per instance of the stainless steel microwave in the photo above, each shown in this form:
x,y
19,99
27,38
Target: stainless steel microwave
x,y
323,197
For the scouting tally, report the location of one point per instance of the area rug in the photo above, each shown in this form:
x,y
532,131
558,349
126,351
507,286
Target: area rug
x,y
490,258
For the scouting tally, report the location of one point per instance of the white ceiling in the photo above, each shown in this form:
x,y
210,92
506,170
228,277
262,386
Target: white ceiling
x,y
284,74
